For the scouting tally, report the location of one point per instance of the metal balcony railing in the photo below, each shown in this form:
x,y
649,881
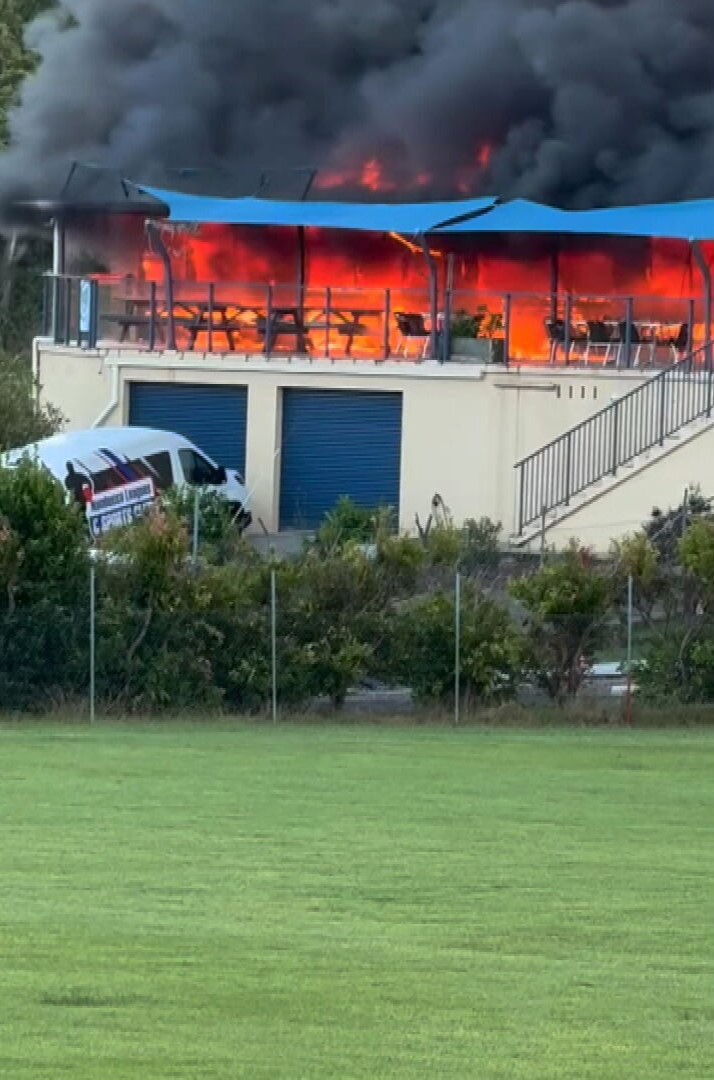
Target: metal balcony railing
x,y
602,445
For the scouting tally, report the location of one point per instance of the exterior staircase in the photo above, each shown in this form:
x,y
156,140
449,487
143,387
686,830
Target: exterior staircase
x,y
615,444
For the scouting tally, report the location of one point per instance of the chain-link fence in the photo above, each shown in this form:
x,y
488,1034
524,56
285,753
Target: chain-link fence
x,y
268,637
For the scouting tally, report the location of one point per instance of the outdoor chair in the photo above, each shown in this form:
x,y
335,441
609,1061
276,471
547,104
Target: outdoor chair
x,y
636,342
412,328
599,340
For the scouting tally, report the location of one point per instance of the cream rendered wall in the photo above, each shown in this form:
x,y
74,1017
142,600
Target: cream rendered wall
x,y
464,427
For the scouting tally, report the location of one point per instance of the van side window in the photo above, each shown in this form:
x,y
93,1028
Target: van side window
x,y
106,480
160,470
196,469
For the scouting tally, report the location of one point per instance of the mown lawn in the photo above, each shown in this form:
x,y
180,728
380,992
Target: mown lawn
x,y
342,902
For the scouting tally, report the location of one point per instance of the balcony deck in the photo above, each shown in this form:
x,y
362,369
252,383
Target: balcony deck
x,y
374,327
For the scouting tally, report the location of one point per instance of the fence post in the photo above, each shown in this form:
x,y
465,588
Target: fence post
x,y
274,642
630,604
196,526
92,639
457,655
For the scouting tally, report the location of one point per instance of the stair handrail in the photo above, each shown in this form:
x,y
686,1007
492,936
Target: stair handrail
x,y
605,442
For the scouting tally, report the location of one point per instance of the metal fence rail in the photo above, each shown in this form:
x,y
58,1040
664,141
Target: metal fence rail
x,y
600,446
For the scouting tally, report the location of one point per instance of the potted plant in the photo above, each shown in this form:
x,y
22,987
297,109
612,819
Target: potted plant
x,y
473,337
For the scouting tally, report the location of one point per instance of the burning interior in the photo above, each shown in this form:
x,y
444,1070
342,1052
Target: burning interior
x,y
519,298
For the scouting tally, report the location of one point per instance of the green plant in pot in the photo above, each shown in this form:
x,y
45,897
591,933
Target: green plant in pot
x,y
475,336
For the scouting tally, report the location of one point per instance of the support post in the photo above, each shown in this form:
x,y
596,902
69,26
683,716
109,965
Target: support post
x,y
274,642
328,319
568,344
387,323
157,245
630,605
629,316
448,311
92,639
706,273
211,310
269,322
152,317
457,653
507,309
433,296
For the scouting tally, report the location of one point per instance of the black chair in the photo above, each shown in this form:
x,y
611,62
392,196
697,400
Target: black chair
x,y
555,329
599,338
412,327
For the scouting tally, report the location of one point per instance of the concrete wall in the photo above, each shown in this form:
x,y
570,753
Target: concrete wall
x,y
464,427
661,483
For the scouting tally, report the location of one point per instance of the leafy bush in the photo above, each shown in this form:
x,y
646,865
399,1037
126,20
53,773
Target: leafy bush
x,y
349,523
44,576
423,648
566,605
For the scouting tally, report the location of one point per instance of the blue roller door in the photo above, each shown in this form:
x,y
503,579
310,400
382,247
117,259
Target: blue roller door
x,y
335,443
212,417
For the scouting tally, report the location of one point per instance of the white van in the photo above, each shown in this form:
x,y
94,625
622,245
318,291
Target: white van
x,y
116,473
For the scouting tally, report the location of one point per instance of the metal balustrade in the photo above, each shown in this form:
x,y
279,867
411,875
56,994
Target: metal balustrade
x,y
599,447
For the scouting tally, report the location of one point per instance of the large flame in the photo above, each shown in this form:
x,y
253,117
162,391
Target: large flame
x,y
359,269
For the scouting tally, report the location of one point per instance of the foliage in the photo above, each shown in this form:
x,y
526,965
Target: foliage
x,y
22,420
220,536
566,603
474,547
665,530
679,668
483,323
333,616
424,641
43,588
349,523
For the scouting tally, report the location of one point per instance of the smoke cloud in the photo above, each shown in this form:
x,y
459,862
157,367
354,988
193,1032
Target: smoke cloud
x,y
575,102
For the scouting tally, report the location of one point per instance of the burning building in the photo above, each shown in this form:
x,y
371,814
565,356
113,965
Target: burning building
x,y
380,323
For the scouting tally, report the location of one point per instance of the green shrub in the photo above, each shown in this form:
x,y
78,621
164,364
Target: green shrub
x,y
44,579
349,523
424,642
566,604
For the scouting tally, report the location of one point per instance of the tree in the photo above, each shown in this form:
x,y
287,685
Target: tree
x,y
22,419
44,574
566,604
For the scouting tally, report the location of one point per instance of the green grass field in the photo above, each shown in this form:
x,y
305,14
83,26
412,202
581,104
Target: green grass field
x,y
344,902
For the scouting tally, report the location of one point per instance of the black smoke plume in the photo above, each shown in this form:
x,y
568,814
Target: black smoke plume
x,y
575,102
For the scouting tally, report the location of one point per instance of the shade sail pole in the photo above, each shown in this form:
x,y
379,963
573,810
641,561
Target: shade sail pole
x,y
433,294
706,273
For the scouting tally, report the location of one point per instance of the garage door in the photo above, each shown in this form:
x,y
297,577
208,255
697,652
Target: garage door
x,y
212,417
338,443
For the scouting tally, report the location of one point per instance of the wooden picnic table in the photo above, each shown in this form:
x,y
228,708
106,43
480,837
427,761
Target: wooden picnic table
x,y
300,323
